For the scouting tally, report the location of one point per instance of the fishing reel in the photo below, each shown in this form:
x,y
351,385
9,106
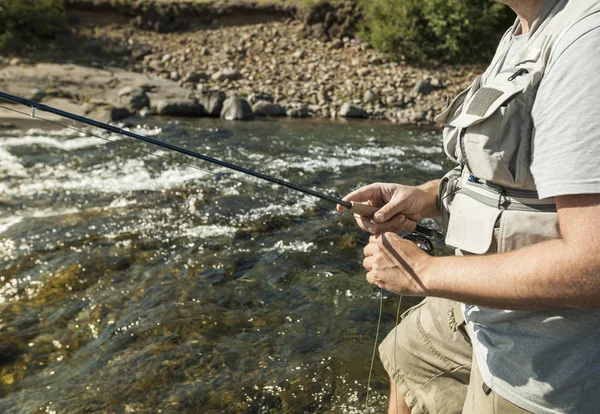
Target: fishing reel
x,y
422,242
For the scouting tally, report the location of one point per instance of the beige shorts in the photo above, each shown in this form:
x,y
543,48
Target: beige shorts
x,y
429,357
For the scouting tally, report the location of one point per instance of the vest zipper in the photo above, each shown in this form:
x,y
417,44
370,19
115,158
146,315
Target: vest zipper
x,y
461,142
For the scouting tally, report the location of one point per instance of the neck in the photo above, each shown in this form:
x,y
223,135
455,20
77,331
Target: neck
x,y
527,10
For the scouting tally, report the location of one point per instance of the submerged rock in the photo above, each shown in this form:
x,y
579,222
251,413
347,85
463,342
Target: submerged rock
x,y
180,107
236,108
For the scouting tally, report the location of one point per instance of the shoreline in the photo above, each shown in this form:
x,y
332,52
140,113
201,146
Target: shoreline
x,y
114,70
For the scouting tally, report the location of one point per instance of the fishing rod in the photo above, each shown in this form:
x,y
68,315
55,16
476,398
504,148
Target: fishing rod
x,y
419,235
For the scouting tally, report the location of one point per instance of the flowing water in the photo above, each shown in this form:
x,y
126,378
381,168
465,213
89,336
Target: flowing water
x,y
133,283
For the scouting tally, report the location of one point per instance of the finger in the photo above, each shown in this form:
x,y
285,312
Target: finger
x,y
368,263
363,194
396,205
374,238
370,249
365,224
395,224
373,280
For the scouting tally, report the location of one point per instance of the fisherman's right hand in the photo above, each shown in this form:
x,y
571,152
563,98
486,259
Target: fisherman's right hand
x,y
400,206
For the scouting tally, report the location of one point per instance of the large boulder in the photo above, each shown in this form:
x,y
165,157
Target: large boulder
x,y
212,101
236,108
180,107
349,110
265,108
133,98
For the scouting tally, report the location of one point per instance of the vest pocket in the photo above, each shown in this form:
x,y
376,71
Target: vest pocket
x,y
471,224
518,229
450,133
495,124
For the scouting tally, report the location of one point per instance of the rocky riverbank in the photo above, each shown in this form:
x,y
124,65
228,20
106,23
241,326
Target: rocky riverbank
x,y
268,67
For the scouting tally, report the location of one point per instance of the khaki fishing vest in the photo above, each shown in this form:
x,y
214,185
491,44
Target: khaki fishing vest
x,y
489,202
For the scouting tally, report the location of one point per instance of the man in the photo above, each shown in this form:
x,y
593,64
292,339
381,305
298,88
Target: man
x,y
510,324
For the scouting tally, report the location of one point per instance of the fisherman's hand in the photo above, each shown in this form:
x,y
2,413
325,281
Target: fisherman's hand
x,y
396,264
400,206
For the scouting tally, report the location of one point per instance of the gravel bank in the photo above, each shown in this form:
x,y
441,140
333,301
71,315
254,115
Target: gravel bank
x,y
272,65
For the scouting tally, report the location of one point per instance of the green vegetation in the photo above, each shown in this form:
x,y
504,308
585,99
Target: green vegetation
x,y
27,20
440,30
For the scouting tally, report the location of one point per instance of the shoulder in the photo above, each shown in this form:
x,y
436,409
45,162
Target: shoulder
x,y
580,41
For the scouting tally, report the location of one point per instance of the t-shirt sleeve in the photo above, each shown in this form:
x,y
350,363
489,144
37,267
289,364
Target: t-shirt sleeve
x,y
566,115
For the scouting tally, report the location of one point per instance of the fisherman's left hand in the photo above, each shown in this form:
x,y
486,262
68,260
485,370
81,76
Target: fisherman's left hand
x,y
396,265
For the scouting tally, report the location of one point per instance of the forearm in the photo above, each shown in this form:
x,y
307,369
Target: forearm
x,y
430,190
547,275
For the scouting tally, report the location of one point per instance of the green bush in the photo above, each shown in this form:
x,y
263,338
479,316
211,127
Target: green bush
x,y
440,30
25,20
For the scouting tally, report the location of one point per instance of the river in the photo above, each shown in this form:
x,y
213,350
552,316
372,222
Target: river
x,y
130,282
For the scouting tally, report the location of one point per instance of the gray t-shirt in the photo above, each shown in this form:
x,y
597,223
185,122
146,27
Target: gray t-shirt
x,y
549,362
566,115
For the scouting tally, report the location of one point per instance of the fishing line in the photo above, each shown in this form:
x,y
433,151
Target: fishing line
x,y
374,347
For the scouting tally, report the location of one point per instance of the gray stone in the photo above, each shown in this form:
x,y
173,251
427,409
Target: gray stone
x,y
418,115
364,71
195,77
133,98
349,110
436,83
300,111
118,114
322,97
370,96
212,102
165,58
423,87
375,60
299,54
236,108
146,112
180,107
336,44
260,96
36,95
174,76
226,74
265,108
